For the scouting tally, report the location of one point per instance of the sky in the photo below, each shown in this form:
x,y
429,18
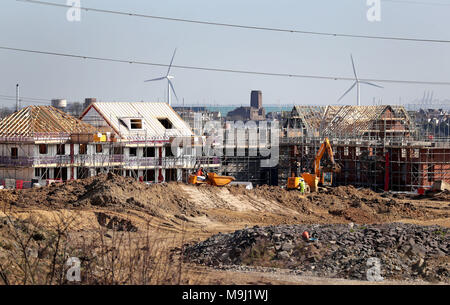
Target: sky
x,y
39,27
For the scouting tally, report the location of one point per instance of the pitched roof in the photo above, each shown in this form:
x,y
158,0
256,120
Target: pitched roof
x,y
40,120
344,119
118,114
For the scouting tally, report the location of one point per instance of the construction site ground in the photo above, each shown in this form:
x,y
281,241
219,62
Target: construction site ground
x,y
177,214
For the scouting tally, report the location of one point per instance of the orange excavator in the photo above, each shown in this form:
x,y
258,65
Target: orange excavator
x,y
323,175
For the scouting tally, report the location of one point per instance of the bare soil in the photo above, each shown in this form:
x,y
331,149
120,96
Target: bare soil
x,y
197,212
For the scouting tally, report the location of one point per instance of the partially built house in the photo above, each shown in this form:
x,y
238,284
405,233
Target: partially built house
x,y
142,135
41,143
376,146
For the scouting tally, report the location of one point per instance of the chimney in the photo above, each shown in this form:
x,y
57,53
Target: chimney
x,y
17,97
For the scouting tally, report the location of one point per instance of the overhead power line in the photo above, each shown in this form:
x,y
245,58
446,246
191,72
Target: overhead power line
x,y
26,98
129,61
241,26
418,2
23,100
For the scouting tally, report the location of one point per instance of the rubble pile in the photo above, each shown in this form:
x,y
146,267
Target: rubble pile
x,y
405,251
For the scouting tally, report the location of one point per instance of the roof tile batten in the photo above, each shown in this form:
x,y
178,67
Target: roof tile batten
x,y
33,120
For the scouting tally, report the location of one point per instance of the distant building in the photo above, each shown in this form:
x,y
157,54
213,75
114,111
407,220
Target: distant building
x,y
256,99
196,117
255,112
434,122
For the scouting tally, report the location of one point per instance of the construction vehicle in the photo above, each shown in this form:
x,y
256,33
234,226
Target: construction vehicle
x,y
297,183
209,178
323,175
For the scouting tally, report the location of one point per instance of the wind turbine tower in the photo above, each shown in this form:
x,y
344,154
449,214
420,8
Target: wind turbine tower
x,y
169,82
357,84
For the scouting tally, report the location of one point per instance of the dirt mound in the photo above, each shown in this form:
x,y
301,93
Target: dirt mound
x,y
208,205
290,199
345,202
106,190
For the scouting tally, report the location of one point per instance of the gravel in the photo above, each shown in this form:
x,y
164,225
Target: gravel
x,y
404,251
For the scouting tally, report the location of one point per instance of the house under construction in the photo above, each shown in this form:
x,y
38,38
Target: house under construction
x,y
377,146
39,144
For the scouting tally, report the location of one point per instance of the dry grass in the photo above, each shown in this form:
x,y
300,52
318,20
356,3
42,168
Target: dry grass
x,y
36,253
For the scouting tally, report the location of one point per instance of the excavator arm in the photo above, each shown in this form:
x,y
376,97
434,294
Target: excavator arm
x,y
318,177
318,171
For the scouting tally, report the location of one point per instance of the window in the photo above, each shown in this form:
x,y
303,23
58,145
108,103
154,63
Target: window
x,y
98,148
14,153
118,151
41,173
83,149
82,172
149,152
149,175
346,151
166,123
136,123
133,151
60,173
171,174
43,149
169,152
61,149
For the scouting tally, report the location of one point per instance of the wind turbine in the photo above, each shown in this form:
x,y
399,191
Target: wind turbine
x,y
169,82
357,84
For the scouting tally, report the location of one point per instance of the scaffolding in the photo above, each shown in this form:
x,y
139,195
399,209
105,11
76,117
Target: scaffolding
x,y
380,147
72,155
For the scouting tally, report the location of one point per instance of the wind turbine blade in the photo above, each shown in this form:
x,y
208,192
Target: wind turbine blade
x,y
367,83
173,89
155,79
350,89
171,61
354,69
